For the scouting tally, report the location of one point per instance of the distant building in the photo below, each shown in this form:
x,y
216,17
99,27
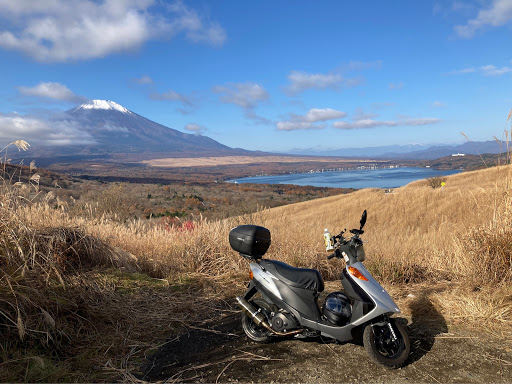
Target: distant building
x,y
459,154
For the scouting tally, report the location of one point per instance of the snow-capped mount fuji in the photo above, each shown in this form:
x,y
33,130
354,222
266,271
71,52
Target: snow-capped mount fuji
x,y
115,129
102,104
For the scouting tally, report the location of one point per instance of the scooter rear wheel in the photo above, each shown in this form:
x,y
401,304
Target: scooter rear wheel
x,y
253,331
382,349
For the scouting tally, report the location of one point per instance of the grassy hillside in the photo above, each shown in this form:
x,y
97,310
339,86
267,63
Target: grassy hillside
x,y
83,296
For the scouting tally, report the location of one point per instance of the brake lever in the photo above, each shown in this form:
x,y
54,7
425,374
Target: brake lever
x,y
340,236
334,254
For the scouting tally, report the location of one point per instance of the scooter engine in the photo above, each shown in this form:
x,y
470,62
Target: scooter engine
x,y
283,321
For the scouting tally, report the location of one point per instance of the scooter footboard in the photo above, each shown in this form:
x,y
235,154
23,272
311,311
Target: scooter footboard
x,y
342,334
301,303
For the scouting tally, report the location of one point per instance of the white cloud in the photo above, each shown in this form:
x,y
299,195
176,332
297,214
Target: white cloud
x,y
445,8
462,6
497,15
245,95
107,126
364,123
50,90
438,104
66,30
462,71
195,128
214,35
491,70
302,81
36,130
307,121
297,125
194,28
318,114
257,119
419,121
486,70
370,123
144,80
171,96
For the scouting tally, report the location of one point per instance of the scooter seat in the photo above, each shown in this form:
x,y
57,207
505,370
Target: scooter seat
x,y
296,277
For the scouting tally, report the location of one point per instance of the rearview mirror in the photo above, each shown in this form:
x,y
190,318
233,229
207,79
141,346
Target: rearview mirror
x,y
363,219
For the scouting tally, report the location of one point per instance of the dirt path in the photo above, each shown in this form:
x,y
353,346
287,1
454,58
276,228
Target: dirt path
x,y
220,352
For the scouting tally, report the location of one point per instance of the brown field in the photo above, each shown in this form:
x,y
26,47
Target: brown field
x,y
237,160
140,169
85,297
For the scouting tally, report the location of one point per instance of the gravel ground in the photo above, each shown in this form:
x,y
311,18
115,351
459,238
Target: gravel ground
x,y
220,352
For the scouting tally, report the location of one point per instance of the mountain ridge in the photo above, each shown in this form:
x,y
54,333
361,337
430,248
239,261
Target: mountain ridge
x,y
413,151
113,131
109,122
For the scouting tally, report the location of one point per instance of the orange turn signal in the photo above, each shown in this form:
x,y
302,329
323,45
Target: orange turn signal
x,y
354,272
251,276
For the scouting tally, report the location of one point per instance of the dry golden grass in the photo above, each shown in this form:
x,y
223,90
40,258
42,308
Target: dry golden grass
x,y
55,292
416,234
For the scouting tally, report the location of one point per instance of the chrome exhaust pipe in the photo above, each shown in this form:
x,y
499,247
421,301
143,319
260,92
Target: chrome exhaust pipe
x,y
250,311
259,318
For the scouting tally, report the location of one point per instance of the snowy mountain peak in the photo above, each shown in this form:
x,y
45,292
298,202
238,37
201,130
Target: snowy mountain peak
x,y
103,104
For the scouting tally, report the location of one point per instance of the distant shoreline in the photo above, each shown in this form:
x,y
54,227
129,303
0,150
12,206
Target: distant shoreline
x,y
386,177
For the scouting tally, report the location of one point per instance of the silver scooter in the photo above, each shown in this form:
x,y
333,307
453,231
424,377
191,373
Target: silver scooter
x,y
287,304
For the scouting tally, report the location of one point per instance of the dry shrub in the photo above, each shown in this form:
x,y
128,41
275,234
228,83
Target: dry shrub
x,y
58,249
488,306
45,304
115,204
397,271
436,182
485,254
37,264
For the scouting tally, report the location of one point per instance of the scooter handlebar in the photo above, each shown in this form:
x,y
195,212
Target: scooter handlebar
x,y
334,254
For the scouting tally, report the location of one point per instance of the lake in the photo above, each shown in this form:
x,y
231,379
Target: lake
x,y
357,178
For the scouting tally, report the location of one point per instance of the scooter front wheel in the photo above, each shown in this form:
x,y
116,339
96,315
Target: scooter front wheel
x,y
252,330
383,347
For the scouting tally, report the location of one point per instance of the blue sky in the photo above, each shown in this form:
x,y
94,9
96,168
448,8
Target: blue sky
x,y
263,75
